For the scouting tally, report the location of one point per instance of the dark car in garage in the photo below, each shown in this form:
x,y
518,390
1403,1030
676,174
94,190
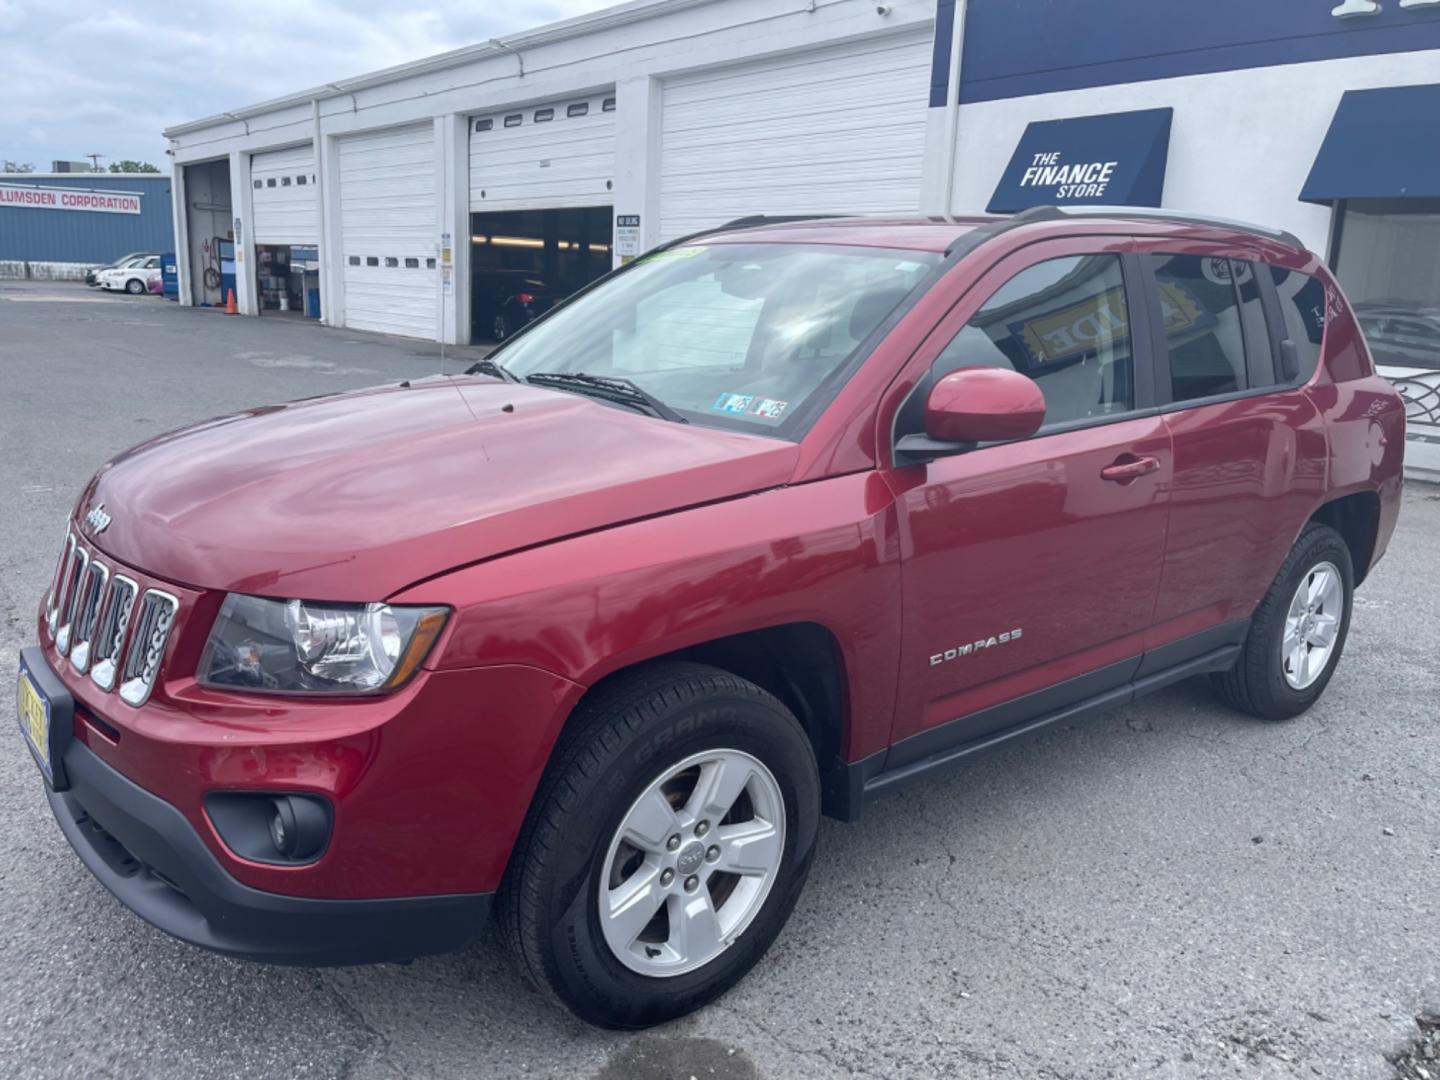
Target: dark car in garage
x,y
504,302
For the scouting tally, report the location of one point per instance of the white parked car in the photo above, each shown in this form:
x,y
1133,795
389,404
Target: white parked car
x,y
135,276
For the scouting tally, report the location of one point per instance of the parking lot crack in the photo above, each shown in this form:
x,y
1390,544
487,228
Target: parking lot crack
x,y
375,1041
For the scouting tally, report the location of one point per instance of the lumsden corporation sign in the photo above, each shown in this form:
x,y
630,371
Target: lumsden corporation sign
x,y
43,198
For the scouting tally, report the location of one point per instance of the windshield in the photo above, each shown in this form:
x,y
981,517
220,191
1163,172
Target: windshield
x,y
753,337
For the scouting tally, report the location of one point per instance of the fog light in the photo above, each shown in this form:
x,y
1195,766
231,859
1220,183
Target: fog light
x,y
264,827
298,826
282,832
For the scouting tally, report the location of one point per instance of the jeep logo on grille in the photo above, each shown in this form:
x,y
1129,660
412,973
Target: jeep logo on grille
x,y
97,518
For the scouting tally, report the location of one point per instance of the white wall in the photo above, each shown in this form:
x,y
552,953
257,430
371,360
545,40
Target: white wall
x,y
20,270
1241,142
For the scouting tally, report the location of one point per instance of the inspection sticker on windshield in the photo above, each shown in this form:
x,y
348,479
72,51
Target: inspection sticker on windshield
x,y
733,403
769,408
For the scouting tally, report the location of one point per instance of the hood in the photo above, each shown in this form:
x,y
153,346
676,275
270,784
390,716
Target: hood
x,y
355,496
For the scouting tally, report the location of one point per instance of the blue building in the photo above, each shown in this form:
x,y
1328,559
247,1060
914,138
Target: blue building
x,y
55,225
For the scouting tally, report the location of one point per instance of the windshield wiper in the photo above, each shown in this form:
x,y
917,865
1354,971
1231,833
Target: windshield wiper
x,y
491,367
610,388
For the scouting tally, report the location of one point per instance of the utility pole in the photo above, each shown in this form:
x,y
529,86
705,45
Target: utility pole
x,y
95,159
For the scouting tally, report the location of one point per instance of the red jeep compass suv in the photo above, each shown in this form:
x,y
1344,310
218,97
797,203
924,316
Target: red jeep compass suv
x,y
763,525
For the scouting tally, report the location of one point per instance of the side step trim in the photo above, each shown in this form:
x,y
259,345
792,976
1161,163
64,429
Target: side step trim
x,y
848,786
1217,660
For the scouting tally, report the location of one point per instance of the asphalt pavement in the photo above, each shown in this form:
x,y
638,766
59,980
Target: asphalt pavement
x,y
1170,890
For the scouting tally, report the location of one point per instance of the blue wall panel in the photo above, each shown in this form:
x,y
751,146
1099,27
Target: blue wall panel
x,y
86,236
1019,47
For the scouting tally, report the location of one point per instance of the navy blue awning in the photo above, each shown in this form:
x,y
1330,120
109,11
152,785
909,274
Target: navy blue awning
x,y
1382,144
1116,159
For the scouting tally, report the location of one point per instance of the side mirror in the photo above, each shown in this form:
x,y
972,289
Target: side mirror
x,y
971,406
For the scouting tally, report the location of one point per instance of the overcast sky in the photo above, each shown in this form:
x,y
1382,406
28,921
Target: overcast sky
x,y
84,76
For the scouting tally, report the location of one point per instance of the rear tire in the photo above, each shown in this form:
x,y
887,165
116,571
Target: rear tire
x,y
603,830
1297,633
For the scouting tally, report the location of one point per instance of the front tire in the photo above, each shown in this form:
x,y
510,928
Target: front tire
x,y
666,847
1297,633
134,286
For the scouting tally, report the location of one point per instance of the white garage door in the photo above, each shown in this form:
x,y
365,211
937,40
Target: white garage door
x,y
838,130
543,157
285,203
388,225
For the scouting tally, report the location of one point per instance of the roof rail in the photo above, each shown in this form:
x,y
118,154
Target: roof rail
x,y
1155,213
750,221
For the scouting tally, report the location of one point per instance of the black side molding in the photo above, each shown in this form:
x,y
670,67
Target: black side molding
x,y
848,786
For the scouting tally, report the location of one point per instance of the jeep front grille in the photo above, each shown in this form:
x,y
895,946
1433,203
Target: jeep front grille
x,y
75,568
106,624
87,614
113,623
147,646
57,584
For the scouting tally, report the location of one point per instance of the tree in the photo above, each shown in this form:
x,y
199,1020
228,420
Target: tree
x,y
132,166
16,166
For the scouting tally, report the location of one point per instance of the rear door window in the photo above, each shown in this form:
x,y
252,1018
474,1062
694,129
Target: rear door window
x,y
1260,366
1204,324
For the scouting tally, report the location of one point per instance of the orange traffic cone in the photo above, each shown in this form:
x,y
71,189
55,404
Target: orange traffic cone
x,y
230,308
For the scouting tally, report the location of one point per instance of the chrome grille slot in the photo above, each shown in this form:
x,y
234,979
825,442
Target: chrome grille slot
x,y
87,614
75,569
57,581
147,646
110,636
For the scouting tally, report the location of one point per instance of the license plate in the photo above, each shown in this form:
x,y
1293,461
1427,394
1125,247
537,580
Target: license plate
x,y
34,708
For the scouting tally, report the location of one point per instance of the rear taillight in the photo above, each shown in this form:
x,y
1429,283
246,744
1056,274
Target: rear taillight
x,y
525,298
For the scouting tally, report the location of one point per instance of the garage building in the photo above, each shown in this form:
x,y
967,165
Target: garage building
x,y
447,194
451,196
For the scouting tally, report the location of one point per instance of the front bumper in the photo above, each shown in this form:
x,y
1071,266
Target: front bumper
x,y
427,786
145,852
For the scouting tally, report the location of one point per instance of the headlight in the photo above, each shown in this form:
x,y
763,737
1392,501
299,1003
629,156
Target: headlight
x,y
293,646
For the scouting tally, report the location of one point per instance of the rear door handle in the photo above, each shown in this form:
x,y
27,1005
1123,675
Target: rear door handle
x,y
1128,467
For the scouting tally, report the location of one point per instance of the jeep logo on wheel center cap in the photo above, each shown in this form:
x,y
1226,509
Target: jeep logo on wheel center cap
x,y
691,858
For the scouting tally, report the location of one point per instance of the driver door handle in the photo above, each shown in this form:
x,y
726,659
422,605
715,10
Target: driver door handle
x,y
1128,468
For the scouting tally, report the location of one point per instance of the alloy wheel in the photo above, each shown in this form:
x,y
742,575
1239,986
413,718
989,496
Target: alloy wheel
x,y
692,862
1312,625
